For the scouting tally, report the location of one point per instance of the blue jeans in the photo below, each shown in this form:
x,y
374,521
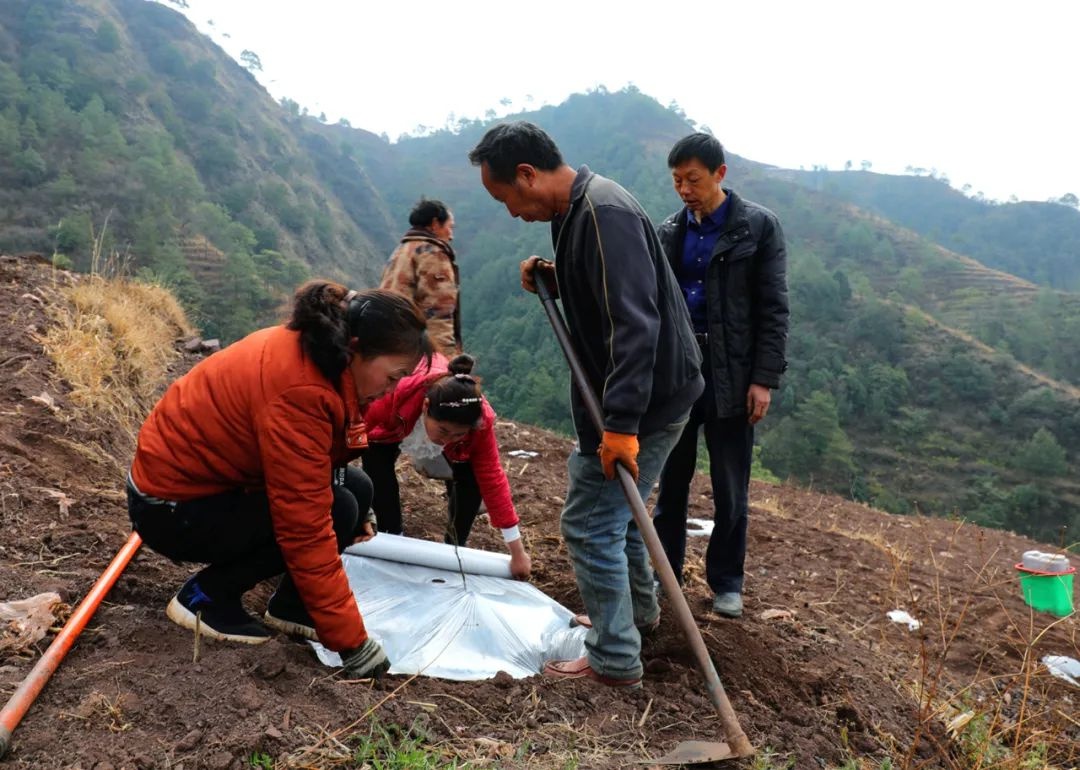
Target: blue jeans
x,y
609,557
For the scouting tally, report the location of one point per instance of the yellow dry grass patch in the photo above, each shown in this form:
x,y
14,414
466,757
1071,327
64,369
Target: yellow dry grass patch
x,y
772,506
113,342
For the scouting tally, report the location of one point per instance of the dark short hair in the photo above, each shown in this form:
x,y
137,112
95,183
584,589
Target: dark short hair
x,y
383,323
456,396
508,144
697,146
426,210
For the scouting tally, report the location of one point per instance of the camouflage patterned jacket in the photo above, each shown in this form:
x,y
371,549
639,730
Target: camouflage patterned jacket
x,y
422,268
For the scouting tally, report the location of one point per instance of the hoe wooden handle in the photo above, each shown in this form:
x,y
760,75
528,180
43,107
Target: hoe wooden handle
x,y
733,732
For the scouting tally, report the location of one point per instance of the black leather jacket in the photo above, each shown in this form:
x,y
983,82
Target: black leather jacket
x,y
746,298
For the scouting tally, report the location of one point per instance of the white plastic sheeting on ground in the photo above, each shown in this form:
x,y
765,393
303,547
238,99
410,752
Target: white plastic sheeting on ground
x,y
1063,667
429,622
904,618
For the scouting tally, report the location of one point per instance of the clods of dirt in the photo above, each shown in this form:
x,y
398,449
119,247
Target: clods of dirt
x,y
815,670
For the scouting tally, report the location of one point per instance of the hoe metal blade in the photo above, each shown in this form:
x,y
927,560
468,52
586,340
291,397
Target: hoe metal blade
x,y
694,753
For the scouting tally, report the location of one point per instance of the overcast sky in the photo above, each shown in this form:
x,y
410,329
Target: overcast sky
x,y
983,92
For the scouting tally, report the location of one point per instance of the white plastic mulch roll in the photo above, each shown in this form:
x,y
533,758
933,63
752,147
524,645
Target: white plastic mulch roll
x,y
426,553
432,621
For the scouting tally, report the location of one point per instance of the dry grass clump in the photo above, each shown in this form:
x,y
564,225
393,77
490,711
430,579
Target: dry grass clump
x,y
113,344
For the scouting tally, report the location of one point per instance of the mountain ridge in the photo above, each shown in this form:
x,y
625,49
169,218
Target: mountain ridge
x,y
1033,239
151,129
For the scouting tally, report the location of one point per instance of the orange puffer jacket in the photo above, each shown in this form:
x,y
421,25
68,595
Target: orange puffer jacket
x,y
260,415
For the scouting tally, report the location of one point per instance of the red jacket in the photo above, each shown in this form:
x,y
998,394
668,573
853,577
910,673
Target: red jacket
x,y
391,418
260,415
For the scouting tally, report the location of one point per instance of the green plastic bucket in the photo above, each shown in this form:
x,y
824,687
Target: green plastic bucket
x,y
1048,591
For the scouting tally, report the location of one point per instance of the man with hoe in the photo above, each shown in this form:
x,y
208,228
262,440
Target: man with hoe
x,y
629,325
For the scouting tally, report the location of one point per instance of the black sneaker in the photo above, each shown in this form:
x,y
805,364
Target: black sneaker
x,y
224,620
285,612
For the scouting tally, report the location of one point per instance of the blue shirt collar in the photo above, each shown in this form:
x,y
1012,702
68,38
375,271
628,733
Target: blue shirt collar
x,y
709,221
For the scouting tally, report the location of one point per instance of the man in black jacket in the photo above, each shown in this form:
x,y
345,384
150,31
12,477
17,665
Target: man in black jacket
x,y
729,257
630,328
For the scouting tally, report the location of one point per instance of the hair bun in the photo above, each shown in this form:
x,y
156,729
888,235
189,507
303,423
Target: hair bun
x,y
462,364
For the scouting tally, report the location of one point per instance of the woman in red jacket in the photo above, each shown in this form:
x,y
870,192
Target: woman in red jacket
x,y
439,412
243,466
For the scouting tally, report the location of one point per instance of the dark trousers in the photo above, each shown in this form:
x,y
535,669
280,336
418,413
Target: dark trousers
x,y
232,533
463,493
379,460
730,443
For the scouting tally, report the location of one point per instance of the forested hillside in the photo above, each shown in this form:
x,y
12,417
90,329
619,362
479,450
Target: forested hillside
x,y
1033,240
890,397
920,379
1035,322
127,135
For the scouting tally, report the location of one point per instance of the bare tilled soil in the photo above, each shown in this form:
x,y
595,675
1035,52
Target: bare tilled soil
x,y
815,670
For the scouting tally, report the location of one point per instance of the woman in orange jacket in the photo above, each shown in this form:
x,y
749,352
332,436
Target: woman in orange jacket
x,y
243,466
439,414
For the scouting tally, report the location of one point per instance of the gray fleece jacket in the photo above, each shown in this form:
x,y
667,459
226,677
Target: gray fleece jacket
x,y
626,314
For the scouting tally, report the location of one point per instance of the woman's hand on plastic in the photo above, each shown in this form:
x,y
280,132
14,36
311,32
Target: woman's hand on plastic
x,y
368,529
520,563
368,661
520,566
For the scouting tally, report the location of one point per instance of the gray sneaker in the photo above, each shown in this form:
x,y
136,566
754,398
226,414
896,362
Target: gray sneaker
x,y
729,605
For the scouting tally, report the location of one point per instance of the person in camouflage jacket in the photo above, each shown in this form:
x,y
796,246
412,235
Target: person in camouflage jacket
x,y
422,268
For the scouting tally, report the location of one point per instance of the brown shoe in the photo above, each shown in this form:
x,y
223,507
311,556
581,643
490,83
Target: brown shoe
x,y
645,629
580,669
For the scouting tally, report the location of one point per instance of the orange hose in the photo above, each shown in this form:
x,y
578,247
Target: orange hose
x,y
31,686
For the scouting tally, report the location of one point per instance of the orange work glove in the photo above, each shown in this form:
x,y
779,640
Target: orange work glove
x,y
622,447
